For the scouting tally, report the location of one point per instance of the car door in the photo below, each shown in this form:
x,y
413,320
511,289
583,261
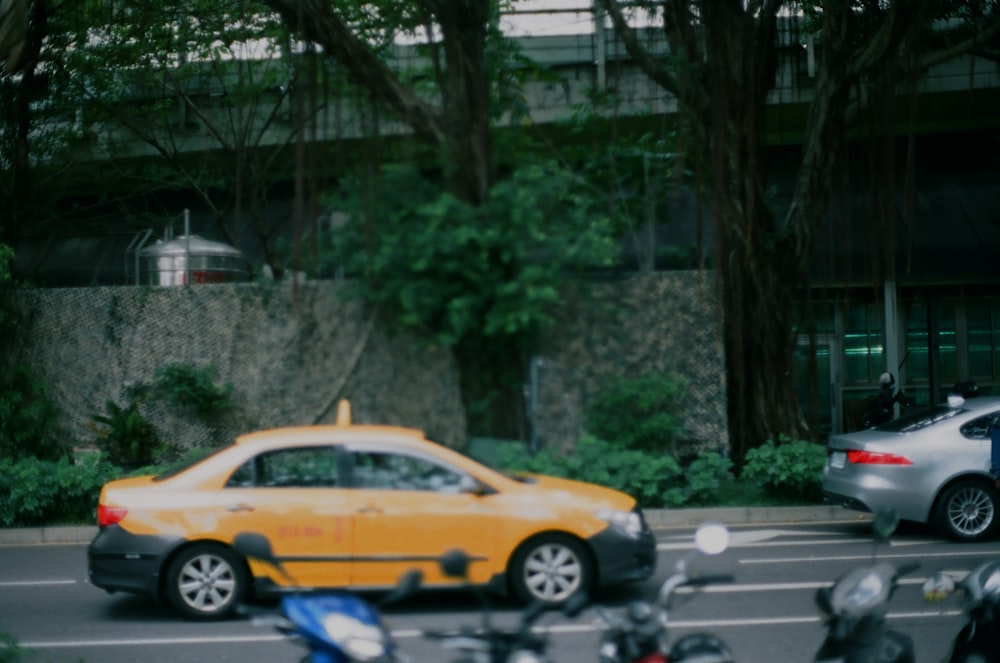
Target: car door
x,y
296,498
411,508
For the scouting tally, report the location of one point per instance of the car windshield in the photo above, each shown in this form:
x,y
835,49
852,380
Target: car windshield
x,y
912,421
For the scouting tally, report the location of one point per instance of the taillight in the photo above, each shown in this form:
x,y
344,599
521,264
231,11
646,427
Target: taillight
x,y
859,457
110,515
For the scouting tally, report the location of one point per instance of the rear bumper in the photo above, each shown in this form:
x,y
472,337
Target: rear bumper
x,y
120,561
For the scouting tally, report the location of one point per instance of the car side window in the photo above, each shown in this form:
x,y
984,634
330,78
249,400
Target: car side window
x,y
303,467
979,428
389,471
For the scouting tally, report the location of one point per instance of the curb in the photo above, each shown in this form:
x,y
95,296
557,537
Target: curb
x,y
657,519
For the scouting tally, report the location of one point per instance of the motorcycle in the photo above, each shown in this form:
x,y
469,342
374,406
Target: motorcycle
x,y
492,644
640,635
334,626
978,641
854,608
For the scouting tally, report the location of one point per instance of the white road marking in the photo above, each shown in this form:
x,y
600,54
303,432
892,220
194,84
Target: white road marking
x,y
867,558
35,583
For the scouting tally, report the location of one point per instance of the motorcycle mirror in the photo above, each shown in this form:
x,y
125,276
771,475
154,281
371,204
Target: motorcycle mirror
x,y
711,538
938,587
408,585
455,563
885,523
254,545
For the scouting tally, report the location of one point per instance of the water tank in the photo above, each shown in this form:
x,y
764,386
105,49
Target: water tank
x,y
175,261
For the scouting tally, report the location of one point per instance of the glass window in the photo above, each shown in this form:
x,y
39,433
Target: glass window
x,y
979,428
947,343
863,350
391,471
917,362
912,421
303,467
980,339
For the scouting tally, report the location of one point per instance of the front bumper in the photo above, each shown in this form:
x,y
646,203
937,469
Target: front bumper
x,y
622,557
120,561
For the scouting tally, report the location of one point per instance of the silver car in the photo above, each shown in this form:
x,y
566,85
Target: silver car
x,y
931,465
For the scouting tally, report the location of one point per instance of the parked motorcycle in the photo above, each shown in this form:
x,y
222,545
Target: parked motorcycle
x,y
640,634
854,608
978,641
334,626
489,643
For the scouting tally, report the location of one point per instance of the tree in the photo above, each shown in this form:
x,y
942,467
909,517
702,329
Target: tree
x,y
721,68
460,37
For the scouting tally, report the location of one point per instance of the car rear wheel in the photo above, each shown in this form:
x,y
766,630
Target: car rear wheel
x,y
967,510
550,569
206,581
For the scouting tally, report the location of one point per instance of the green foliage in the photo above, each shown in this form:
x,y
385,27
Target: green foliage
x,y
42,492
10,650
655,480
125,436
26,416
790,468
638,413
190,387
26,411
449,269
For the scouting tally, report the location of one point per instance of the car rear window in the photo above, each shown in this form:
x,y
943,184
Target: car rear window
x,y
923,418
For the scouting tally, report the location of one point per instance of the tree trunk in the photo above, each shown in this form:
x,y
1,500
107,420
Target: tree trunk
x,y
756,274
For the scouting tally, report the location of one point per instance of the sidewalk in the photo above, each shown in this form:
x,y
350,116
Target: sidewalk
x,y
657,518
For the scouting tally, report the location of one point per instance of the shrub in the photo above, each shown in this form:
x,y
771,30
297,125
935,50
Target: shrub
x,y
43,492
186,386
655,480
26,416
638,413
792,469
125,436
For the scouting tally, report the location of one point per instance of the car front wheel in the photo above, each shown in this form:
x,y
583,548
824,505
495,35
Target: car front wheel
x,y
967,510
550,569
206,581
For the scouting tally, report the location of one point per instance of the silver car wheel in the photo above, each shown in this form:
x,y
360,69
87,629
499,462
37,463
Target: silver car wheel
x,y
970,511
206,581
551,570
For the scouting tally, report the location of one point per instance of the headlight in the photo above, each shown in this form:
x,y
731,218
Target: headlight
x,y
626,520
525,656
362,642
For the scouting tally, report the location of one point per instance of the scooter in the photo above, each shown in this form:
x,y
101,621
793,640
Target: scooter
x,y
978,641
854,608
489,643
334,626
640,635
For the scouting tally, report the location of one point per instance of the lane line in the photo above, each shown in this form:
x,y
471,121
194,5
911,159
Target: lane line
x,y
35,583
867,558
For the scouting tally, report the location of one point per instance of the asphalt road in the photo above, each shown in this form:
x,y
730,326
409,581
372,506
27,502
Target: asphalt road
x,y
766,615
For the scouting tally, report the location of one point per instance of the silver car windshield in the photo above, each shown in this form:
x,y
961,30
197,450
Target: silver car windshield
x,y
912,421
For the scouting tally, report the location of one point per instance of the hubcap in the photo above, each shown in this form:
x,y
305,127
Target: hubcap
x,y
207,583
553,573
971,511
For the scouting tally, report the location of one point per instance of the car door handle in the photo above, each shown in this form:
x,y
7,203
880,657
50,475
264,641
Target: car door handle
x,y
371,508
242,506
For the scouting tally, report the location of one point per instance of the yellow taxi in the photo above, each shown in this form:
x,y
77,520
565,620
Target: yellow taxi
x,y
357,506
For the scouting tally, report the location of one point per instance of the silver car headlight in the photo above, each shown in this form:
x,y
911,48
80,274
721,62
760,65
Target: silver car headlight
x,y
629,521
361,642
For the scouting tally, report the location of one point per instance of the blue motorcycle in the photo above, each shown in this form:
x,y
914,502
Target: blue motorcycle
x,y
334,626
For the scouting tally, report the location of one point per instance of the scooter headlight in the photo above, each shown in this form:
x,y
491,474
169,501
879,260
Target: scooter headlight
x,y
361,642
525,656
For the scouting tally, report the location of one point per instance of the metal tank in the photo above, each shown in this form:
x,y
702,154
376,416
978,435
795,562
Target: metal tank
x,y
190,259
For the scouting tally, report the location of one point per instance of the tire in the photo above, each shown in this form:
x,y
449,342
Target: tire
x,y
550,569
968,510
206,581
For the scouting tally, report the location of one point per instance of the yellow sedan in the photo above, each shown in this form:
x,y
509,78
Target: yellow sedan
x,y
357,506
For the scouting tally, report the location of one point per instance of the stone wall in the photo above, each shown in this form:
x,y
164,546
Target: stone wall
x,y
290,354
